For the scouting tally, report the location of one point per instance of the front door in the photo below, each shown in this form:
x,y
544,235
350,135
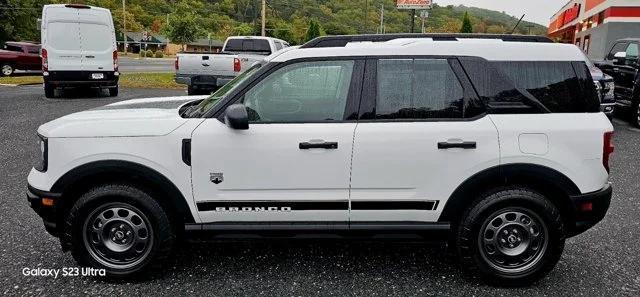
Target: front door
x,y
417,143
293,163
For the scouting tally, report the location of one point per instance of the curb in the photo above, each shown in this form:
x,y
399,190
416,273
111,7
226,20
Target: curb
x,y
18,85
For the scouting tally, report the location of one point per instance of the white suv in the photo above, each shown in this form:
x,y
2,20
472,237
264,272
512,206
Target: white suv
x,y
498,142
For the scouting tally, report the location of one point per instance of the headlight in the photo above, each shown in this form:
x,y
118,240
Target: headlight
x,y
598,89
43,152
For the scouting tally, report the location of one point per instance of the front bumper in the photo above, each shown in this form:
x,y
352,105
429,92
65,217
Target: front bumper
x,y
608,108
589,209
46,212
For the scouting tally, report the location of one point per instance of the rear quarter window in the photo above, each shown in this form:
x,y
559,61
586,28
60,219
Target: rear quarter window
x,y
533,86
556,85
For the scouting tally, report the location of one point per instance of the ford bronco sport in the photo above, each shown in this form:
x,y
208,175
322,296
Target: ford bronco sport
x,y
497,141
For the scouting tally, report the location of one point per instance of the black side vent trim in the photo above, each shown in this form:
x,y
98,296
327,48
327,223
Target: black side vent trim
x,y
186,151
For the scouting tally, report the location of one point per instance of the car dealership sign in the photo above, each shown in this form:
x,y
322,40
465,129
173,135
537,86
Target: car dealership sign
x,y
413,4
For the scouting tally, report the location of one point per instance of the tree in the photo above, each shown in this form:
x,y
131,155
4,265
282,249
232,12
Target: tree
x,y
182,29
466,24
313,31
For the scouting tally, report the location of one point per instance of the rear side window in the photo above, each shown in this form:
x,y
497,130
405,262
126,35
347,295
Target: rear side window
x,y
13,48
632,51
248,45
417,89
554,84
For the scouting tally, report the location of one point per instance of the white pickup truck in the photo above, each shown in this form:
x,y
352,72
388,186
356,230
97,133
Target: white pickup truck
x,y
206,72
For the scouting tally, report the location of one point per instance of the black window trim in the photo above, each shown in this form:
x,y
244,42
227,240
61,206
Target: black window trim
x,y
370,92
353,98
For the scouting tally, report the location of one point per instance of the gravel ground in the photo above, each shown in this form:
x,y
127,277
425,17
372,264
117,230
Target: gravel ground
x,y
604,261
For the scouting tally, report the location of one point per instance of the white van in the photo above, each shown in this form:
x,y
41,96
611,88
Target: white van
x,y
78,48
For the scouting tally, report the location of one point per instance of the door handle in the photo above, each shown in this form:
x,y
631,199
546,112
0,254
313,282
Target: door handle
x,y
467,145
205,64
318,145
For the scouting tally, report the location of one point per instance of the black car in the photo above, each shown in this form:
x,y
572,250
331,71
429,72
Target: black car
x,y
622,63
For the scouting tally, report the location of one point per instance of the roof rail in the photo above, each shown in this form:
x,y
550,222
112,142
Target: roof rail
x,y
342,40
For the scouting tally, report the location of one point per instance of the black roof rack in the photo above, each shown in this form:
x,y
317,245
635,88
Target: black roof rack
x,y
342,40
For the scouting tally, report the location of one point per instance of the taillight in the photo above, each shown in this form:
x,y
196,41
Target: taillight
x,y
115,60
236,65
607,149
45,60
177,64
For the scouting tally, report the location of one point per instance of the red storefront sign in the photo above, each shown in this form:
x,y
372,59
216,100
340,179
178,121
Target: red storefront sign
x,y
570,15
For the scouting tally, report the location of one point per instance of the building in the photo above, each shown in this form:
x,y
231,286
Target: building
x,y
594,25
137,41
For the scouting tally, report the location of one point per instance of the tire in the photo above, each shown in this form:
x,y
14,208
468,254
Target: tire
x,y
121,229
113,92
191,91
6,69
635,114
515,226
49,90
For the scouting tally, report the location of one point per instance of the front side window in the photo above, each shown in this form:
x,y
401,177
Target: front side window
x,y
302,92
418,89
632,51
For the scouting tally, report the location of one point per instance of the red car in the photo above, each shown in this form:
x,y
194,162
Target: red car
x,y
19,55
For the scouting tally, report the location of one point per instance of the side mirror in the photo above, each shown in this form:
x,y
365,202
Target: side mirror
x,y
620,58
236,117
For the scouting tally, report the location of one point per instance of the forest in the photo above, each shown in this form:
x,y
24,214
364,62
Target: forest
x,y
290,20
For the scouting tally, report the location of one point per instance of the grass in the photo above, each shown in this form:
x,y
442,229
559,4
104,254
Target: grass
x,y
127,80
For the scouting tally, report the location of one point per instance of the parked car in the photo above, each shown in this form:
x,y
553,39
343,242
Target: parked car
x,y
499,143
605,86
206,72
622,63
78,48
20,56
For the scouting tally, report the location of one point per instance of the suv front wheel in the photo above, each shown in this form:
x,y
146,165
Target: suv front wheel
x,y
121,229
511,237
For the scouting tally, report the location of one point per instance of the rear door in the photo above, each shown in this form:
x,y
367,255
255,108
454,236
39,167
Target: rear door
x,y
417,140
62,38
97,39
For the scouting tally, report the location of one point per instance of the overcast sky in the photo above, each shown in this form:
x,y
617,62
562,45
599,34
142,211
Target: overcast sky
x,y
539,11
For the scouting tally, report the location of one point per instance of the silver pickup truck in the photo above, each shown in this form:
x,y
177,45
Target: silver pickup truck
x,y
206,72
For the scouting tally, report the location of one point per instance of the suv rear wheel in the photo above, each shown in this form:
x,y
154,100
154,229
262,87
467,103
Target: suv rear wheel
x,y
121,229
511,237
49,90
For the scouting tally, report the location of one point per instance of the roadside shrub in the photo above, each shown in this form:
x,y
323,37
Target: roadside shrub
x,y
149,54
159,54
143,53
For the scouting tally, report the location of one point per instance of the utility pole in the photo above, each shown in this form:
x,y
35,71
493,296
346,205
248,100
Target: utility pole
x,y
124,26
264,17
413,20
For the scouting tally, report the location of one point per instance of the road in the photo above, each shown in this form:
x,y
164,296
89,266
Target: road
x,y
604,261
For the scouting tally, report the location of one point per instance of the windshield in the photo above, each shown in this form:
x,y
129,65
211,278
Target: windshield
x,y
208,103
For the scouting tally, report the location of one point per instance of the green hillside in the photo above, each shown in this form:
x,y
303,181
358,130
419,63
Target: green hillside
x,y
286,19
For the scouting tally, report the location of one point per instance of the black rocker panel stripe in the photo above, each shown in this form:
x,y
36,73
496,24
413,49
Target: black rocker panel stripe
x,y
323,205
394,205
294,205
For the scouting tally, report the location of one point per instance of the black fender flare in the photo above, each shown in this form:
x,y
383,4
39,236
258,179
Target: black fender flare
x,y
550,182
119,170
